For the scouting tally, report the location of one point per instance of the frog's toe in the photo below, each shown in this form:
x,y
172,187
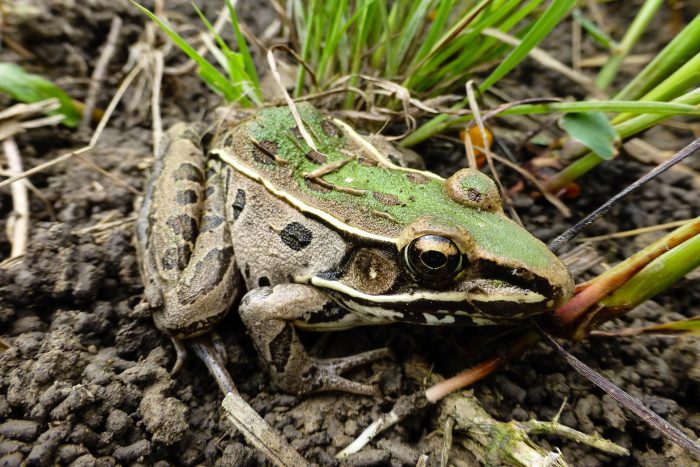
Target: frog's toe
x,y
180,355
326,380
219,347
342,364
324,374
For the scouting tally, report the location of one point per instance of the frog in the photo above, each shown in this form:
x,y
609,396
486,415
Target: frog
x,y
305,224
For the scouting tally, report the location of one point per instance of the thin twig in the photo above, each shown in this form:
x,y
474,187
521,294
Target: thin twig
x,y
190,64
20,201
549,62
628,401
290,103
634,232
100,70
570,233
157,124
556,202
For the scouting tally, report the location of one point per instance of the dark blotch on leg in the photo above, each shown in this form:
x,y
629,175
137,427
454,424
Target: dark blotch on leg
x,y
296,236
188,171
280,349
184,226
238,204
211,222
209,272
176,257
186,197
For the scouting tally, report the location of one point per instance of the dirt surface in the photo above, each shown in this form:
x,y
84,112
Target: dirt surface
x,y
84,380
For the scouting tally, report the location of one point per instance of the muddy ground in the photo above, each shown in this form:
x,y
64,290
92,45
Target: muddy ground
x,y
85,378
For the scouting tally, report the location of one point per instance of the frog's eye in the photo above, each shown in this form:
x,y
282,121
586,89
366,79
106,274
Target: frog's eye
x,y
433,257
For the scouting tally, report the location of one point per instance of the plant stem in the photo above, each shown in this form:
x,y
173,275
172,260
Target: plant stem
x,y
639,25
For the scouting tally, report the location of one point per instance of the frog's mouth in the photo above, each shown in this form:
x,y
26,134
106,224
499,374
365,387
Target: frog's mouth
x,y
478,302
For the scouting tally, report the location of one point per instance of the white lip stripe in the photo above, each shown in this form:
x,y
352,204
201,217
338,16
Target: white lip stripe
x,y
525,297
248,172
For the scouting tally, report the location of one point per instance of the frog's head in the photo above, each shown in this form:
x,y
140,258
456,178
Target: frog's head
x,y
464,262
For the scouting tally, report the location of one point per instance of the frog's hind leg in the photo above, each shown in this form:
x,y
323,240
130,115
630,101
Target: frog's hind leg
x,y
185,246
270,314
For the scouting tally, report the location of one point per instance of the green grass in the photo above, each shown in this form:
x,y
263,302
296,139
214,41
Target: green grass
x,y
28,87
432,47
241,83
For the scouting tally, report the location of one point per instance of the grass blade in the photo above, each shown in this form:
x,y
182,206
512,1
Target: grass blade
x,y
609,71
211,76
556,11
27,87
248,62
678,51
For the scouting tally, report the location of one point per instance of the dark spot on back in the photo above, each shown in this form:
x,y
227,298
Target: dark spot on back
x,y
264,152
228,142
386,198
295,132
330,129
367,162
185,226
186,197
238,204
210,223
264,281
188,171
296,236
246,271
417,178
316,157
280,349
211,172
313,185
209,192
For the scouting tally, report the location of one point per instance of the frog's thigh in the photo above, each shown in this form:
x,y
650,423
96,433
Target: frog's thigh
x,y
271,313
190,243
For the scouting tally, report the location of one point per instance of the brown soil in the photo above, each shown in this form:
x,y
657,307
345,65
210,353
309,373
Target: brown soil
x,y
85,382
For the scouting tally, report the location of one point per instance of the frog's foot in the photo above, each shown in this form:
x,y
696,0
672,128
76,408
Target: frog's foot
x,y
323,374
271,315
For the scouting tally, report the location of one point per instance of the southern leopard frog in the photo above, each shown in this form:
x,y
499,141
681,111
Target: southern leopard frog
x,y
327,238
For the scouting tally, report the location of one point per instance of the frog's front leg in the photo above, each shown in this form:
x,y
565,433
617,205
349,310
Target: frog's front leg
x,y
270,314
184,244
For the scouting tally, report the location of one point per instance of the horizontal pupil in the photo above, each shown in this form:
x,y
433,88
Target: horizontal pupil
x,y
433,259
